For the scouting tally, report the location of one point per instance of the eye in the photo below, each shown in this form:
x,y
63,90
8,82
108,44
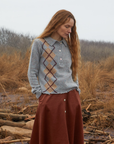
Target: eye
x,y
67,26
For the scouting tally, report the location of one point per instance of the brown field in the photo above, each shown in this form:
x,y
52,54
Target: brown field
x,y
96,80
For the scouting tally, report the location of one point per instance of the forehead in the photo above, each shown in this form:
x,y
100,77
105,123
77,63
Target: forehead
x,y
70,22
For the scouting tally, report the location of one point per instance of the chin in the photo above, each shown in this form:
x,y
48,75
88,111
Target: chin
x,y
65,36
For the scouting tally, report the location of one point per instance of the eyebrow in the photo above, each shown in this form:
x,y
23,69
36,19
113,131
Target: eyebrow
x,y
68,25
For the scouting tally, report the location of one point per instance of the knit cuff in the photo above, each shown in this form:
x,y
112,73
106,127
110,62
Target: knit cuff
x,y
37,91
38,94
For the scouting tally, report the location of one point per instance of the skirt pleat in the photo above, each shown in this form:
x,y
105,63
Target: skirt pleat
x,y
58,119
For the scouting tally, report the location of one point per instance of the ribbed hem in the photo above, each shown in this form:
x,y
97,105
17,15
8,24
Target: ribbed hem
x,y
61,92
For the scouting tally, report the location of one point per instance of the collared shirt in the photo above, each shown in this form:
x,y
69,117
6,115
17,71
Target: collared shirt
x,y
49,70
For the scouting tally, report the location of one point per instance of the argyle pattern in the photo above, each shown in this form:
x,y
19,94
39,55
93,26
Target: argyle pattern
x,y
49,70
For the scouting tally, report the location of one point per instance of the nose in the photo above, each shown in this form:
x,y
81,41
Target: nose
x,y
69,30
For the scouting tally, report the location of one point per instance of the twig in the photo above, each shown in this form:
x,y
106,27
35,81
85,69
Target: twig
x,y
30,117
88,106
112,140
21,111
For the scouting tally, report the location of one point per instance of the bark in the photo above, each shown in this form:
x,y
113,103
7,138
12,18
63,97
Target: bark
x,y
4,110
11,116
17,130
13,141
10,123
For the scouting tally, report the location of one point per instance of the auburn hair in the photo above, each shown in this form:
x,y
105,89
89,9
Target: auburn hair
x,y
59,18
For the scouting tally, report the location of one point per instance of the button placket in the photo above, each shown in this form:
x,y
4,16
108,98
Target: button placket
x,y
65,104
60,55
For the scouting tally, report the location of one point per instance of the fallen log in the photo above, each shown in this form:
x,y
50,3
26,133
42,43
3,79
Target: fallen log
x,y
29,106
29,125
17,140
98,115
16,130
102,132
35,105
11,116
97,140
10,123
5,110
9,138
86,132
93,127
88,100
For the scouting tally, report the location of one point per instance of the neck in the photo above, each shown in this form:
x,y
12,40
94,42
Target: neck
x,y
56,36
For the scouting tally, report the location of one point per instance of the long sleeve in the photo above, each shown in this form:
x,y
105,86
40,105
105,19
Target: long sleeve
x,y
77,83
33,68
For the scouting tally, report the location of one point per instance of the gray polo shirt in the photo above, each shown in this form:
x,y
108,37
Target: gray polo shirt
x,y
49,70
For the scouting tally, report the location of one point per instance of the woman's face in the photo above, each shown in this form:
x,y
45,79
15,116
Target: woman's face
x,y
65,29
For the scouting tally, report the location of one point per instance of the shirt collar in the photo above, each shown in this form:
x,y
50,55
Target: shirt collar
x,y
52,41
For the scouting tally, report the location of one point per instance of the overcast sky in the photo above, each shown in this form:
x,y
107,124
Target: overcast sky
x,y
95,18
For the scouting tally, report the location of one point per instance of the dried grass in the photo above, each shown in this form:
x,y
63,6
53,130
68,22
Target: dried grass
x,y
13,71
94,79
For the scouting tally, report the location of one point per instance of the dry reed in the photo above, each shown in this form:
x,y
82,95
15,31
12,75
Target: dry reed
x,y
93,77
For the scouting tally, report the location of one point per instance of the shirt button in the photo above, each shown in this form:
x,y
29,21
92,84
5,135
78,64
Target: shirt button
x,y
60,42
64,99
60,58
60,50
65,111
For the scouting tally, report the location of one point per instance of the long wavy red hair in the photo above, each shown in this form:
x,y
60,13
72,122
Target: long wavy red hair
x,y
59,18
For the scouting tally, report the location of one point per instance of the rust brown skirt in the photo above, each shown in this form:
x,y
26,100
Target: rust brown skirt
x,y
58,120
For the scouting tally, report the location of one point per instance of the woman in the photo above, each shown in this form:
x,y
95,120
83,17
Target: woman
x,y
54,60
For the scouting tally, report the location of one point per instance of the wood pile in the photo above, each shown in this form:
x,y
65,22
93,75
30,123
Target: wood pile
x,y
93,123
17,126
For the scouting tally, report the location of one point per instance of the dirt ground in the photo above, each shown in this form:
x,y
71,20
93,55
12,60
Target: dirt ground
x,y
98,122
